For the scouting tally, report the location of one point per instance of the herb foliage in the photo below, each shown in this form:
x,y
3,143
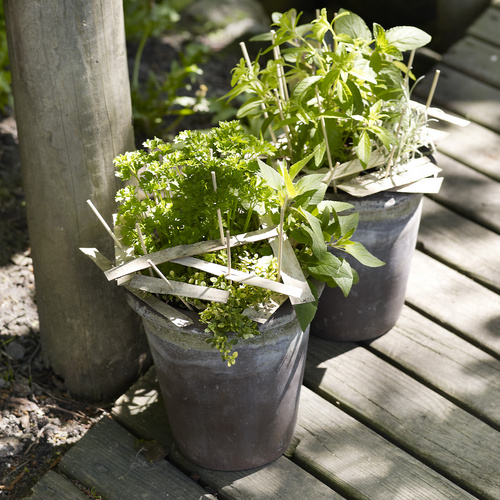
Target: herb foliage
x,y
340,72
171,197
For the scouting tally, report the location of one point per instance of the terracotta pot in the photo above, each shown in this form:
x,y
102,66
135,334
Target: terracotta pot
x,y
229,418
388,228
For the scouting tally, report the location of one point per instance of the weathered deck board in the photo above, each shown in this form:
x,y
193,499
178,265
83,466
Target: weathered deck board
x,y
357,461
53,486
348,450
106,459
141,410
460,243
465,96
470,193
475,58
408,413
442,360
486,25
455,301
475,146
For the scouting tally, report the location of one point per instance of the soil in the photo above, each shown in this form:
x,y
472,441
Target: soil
x,y
39,421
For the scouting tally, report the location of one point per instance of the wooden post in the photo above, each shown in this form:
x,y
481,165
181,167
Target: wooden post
x,y
73,111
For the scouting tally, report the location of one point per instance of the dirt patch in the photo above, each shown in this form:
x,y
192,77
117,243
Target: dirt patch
x,y
38,420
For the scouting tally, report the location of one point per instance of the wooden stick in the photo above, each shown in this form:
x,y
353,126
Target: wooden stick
x,y
328,154
433,88
159,273
262,105
219,214
286,128
162,276
143,245
281,71
280,236
105,224
410,65
172,253
393,149
228,251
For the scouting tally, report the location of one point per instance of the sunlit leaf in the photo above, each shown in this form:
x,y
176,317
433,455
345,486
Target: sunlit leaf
x,y
359,252
407,37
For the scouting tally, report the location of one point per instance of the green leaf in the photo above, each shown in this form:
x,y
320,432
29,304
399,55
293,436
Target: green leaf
x,y
251,107
304,86
353,26
297,167
364,148
318,245
327,269
269,174
290,188
344,278
306,312
362,70
338,206
359,252
311,182
407,37
348,223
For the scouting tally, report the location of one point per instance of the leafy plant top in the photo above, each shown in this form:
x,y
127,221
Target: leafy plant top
x,y
171,199
338,81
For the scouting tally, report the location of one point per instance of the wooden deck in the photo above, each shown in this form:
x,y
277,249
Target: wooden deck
x,y
413,415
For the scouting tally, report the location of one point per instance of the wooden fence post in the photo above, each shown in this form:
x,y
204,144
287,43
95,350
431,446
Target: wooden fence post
x,y
73,111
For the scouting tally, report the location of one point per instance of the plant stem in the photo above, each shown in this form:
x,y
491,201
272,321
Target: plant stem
x,y
325,136
285,127
138,57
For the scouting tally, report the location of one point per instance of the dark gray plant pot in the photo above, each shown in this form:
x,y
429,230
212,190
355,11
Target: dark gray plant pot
x,y
229,418
388,228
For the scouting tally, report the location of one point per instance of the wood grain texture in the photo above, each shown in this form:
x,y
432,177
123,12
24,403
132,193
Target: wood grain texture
x,y
53,486
420,421
462,372
486,25
357,461
465,96
73,112
475,146
476,58
469,193
106,458
460,243
455,301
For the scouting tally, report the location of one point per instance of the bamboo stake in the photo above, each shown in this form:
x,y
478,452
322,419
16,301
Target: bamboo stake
x,y
219,214
285,128
163,277
328,154
262,105
281,236
105,224
281,71
410,66
228,251
393,149
433,88
143,245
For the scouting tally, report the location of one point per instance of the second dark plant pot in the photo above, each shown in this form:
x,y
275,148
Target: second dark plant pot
x,y
388,228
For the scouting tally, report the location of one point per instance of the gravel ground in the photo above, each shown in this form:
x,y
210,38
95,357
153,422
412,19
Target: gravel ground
x,y
38,420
